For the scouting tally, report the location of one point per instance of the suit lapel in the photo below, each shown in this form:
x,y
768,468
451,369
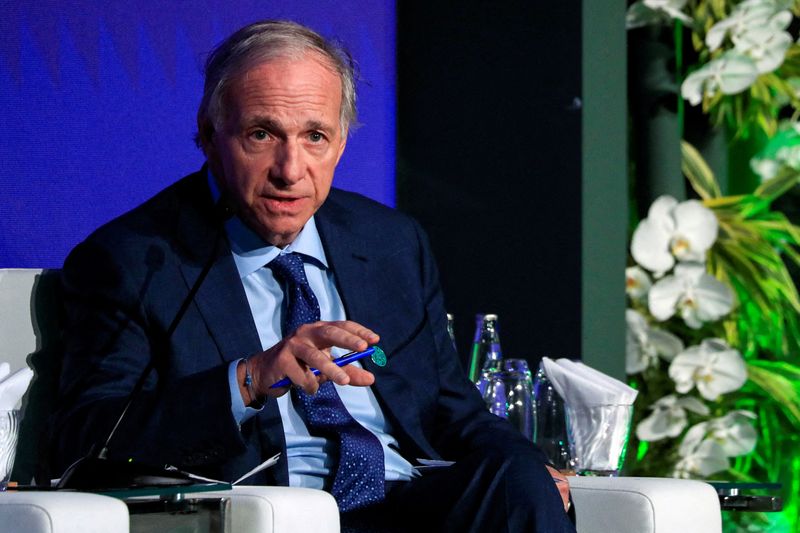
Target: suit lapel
x,y
206,249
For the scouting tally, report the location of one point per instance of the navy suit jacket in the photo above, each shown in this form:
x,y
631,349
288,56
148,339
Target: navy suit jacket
x,y
125,284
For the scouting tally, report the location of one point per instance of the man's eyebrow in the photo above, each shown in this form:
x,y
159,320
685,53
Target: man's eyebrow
x,y
317,125
272,124
264,121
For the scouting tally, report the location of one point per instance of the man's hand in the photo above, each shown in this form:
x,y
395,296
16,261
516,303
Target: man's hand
x,y
561,484
308,347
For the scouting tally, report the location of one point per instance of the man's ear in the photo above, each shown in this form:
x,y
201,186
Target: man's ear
x,y
205,134
341,147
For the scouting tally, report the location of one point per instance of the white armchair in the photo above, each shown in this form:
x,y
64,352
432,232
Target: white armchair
x,y
644,505
62,512
27,296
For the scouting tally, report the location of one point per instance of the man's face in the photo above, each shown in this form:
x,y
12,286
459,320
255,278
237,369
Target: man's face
x,y
279,144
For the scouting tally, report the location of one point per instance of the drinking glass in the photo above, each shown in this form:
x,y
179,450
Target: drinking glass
x,y
551,422
9,431
508,394
598,437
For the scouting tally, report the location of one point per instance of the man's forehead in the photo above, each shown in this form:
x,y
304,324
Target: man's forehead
x,y
302,80
288,62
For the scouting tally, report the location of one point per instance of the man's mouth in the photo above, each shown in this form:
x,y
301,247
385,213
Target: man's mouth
x,y
282,202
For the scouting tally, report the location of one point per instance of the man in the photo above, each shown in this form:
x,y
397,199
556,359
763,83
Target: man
x,y
300,272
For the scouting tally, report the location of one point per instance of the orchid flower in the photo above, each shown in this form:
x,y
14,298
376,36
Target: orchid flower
x,y
765,46
731,73
713,367
748,16
645,344
645,12
684,230
637,283
734,432
700,458
668,418
693,293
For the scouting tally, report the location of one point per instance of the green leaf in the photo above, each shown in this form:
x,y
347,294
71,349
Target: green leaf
x,y
698,173
786,179
772,379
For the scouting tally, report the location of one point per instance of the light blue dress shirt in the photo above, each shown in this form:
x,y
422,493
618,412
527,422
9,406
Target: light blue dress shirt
x,y
308,456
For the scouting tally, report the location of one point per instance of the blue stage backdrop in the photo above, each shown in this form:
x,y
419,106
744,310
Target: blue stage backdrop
x,y
99,98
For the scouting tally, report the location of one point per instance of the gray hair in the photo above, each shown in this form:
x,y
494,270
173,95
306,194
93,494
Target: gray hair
x,y
261,42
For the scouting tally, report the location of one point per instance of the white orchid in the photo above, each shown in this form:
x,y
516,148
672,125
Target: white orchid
x,y
765,46
684,230
700,458
692,292
731,73
645,12
746,17
645,344
713,367
734,432
637,283
669,418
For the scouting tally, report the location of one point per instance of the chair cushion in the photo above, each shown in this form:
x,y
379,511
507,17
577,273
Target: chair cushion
x,y
645,505
62,512
280,510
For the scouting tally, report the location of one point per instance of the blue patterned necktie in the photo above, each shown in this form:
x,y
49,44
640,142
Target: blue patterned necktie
x,y
360,474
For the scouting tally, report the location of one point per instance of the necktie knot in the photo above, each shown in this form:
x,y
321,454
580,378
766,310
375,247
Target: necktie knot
x,y
289,268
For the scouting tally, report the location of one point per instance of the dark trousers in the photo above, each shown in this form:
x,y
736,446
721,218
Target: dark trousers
x,y
488,492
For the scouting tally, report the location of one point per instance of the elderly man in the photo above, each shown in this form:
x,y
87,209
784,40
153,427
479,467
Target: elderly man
x,y
277,272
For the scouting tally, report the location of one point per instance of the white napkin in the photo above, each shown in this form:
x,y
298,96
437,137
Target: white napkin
x,y
13,387
598,434
579,384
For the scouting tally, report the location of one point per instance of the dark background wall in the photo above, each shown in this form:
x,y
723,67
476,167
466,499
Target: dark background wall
x,y
489,161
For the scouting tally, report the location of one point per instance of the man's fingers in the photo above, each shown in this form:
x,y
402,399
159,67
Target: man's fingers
x,y
322,361
309,347
358,376
561,484
344,334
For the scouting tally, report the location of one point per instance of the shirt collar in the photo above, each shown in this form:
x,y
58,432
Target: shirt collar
x,y
251,252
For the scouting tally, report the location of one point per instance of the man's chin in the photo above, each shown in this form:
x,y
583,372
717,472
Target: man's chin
x,y
279,232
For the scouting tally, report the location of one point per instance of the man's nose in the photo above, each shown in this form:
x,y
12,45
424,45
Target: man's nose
x,y
289,165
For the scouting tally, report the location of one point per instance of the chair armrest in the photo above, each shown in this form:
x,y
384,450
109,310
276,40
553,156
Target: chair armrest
x,y
259,509
62,512
645,505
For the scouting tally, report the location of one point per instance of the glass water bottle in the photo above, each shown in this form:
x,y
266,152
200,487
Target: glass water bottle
x,y
487,356
550,432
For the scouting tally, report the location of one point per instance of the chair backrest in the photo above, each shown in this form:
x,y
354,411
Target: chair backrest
x,y
18,324
29,335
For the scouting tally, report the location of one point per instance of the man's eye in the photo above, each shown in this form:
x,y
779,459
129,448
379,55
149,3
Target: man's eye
x,y
260,135
316,137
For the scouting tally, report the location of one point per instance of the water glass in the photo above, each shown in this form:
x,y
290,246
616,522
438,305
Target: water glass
x,y
9,431
551,423
508,394
598,437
